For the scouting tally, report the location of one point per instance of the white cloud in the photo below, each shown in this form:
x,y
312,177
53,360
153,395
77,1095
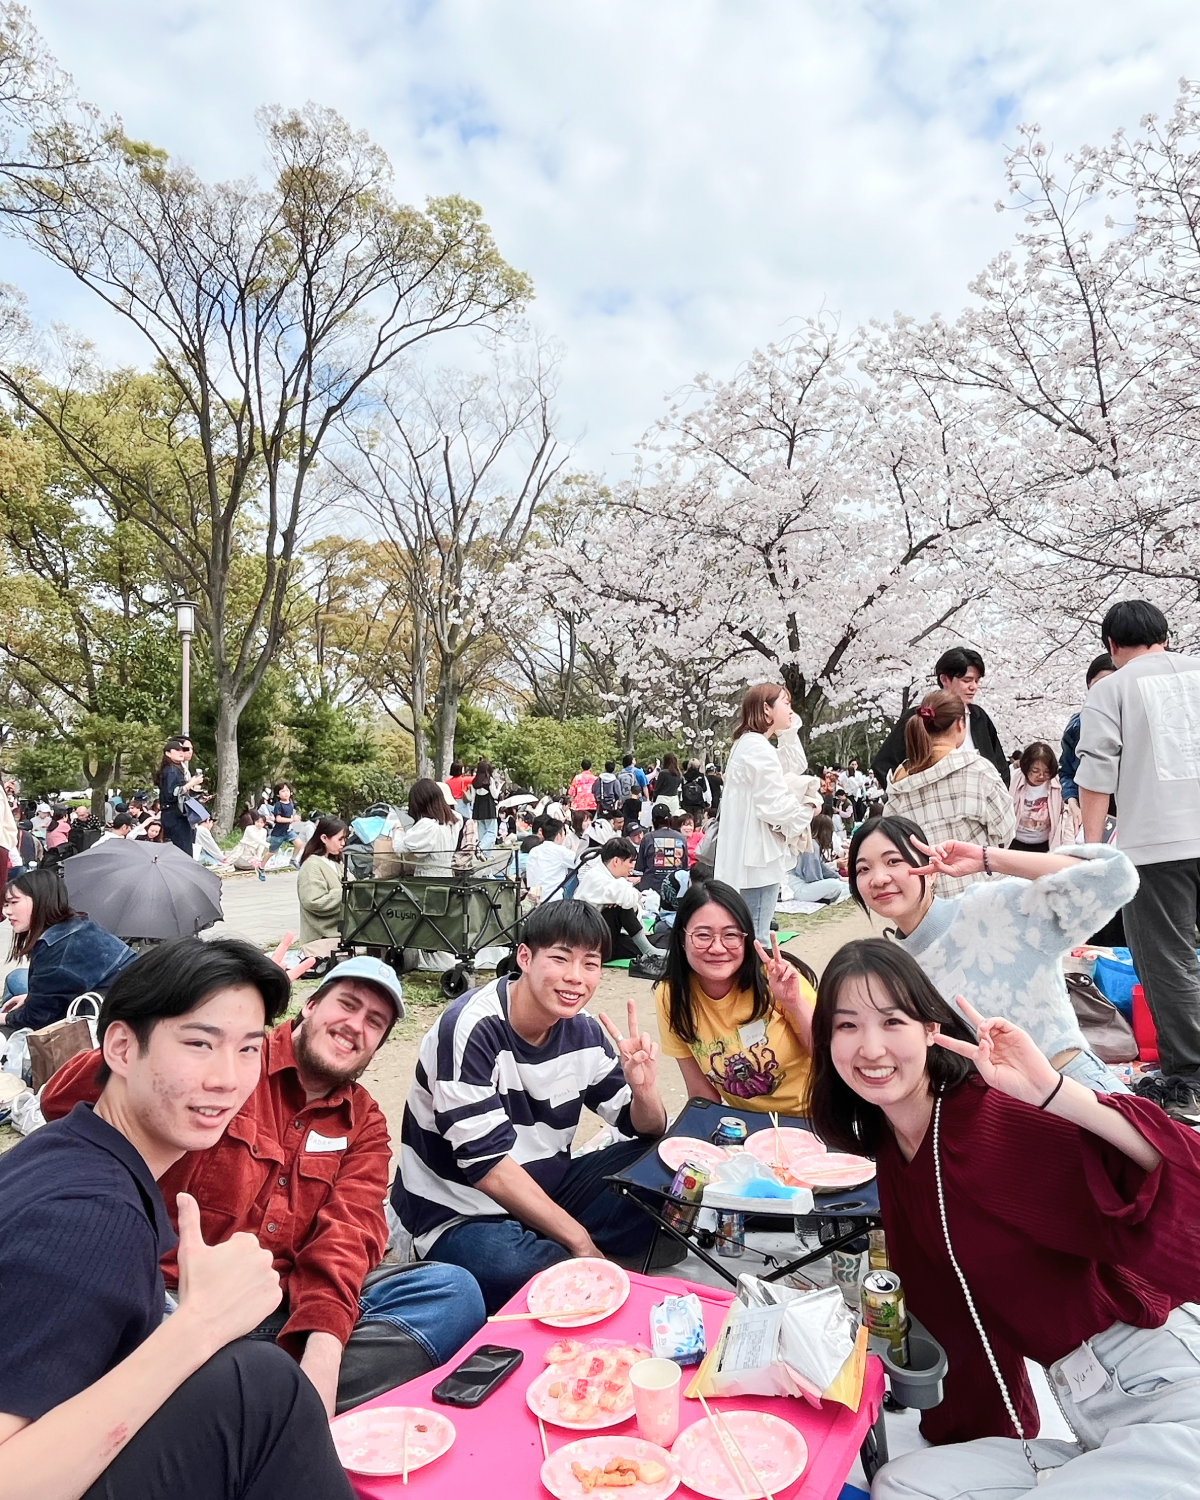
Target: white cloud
x,y
681,178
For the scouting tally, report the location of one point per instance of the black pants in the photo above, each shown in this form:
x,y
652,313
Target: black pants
x,y
248,1425
622,924
1160,923
179,831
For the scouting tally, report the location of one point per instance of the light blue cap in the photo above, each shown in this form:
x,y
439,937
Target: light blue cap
x,y
374,971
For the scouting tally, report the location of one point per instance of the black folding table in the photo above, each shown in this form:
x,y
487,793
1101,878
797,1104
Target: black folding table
x,y
843,1217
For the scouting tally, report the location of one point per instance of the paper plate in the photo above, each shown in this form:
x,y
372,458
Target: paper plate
x,y
542,1404
677,1149
372,1442
773,1446
591,1453
794,1145
599,1285
833,1173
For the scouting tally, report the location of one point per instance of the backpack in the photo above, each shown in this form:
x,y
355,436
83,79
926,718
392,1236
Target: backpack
x,y
691,794
607,792
627,781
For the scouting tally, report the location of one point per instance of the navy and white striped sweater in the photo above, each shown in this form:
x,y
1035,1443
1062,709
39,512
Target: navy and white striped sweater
x,y
481,1093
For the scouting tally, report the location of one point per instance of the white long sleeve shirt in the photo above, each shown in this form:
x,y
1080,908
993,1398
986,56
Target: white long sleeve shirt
x,y
599,887
762,818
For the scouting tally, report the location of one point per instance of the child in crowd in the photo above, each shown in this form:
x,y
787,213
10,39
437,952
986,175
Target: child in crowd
x,y
1038,801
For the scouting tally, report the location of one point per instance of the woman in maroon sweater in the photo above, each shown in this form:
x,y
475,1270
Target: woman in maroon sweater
x,y
1072,1223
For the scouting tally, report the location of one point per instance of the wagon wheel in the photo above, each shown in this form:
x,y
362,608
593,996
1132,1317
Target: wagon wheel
x,y
457,981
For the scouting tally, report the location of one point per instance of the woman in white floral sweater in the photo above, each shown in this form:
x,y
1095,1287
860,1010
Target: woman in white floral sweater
x,y
1001,942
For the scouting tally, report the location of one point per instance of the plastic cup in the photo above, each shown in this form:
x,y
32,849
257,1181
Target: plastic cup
x,y
656,1390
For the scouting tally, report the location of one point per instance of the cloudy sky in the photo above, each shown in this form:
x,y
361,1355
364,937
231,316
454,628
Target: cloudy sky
x,y
680,177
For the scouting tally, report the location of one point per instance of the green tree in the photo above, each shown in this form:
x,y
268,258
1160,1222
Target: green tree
x,y
544,754
47,765
268,312
331,759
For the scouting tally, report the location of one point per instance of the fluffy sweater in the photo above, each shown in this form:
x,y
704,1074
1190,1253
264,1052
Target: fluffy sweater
x,y
1000,944
319,891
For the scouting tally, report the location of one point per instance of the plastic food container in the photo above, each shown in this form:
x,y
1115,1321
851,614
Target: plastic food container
x,y
920,1384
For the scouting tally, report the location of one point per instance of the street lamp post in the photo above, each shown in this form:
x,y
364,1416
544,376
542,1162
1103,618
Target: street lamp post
x,y
185,624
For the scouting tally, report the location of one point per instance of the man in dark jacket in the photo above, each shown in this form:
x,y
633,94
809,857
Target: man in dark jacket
x,y
958,671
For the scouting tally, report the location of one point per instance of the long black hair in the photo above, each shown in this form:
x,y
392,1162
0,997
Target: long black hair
x,y
326,828
899,832
839,1116
50,906
678,977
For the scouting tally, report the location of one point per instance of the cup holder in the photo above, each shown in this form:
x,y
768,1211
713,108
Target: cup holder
x,y
919,1384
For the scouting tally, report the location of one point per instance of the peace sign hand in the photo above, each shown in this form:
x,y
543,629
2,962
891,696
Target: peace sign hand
x,y
1007,1057
783,977
952,858
638,1053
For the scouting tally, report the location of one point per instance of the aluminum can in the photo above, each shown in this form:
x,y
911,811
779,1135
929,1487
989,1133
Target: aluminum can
x,y
731,1132
884,1313
731,1234
688,1183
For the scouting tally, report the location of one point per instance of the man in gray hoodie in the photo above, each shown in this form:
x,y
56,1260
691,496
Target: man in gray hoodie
x,y
1140,739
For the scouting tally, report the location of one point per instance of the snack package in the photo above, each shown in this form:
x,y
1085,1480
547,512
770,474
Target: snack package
x,y
677,1329
776,1341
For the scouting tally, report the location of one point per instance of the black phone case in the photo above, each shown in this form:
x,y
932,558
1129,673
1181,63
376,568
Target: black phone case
x,y
482,1372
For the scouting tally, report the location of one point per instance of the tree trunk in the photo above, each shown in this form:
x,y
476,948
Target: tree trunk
x,y
98,777
448,696
418,698
228,764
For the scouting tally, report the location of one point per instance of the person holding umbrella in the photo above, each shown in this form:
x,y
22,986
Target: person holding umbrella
x,y
68,953
174,785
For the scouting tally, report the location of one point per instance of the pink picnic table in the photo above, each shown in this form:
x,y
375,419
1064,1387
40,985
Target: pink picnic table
x,y
498,1454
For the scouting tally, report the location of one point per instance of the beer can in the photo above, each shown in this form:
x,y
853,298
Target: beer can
x,y
731,1132
884,1313
877,1257
731,1234
688,1184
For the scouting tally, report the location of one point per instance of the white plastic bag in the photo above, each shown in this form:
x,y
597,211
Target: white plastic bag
x,y
16,1058
26,1113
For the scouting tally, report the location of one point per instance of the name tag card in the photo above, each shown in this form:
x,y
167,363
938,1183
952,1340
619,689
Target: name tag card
x,y
317,1142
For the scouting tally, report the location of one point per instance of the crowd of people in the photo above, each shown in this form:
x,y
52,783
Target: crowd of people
x,y
1035,1205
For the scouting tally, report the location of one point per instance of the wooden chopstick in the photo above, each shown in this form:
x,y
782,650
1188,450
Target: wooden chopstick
x,y
719,1434
405,1450
542,1430
775,1122
575,1312
730,1434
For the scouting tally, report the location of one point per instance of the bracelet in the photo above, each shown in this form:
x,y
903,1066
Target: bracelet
x,y
1053,1092
987,869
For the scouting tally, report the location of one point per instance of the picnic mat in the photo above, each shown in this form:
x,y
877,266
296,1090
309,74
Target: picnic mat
x,y
497,1453
623,963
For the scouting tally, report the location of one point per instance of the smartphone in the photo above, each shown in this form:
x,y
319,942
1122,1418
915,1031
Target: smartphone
x,y
478,1376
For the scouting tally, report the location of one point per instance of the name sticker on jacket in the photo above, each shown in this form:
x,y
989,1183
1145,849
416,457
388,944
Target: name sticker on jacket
x,y
317,1142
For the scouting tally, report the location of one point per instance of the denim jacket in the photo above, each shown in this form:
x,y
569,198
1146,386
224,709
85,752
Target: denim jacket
x,y
68,959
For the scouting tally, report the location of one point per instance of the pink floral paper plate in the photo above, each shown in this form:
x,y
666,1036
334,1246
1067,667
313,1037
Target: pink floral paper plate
x,y
833,1173
593,1289
775,1449
677,1149
594,1453
794,1145
372,1441
544,1405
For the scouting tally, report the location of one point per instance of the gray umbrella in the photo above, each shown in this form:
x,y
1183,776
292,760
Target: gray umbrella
x,y
137,889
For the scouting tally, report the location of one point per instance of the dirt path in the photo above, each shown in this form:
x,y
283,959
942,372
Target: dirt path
x,y
389,1076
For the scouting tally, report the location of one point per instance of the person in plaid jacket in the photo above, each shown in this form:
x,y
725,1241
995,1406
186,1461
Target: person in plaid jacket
x,y
951,792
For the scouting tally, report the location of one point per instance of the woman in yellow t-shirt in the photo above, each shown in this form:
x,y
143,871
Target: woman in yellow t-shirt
x,y
738,1022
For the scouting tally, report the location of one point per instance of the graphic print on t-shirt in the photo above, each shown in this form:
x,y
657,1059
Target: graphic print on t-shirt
x,y
745,1072
1033,819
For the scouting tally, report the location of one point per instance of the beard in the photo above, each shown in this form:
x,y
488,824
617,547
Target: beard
x,y
318,1070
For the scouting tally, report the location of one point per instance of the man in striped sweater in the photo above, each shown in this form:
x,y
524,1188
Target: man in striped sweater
x,y
486,1178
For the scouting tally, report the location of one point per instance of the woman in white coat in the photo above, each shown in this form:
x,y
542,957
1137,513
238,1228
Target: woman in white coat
x,y
436,828
762,816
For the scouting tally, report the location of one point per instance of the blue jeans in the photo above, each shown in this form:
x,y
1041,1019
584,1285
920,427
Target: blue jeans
x,y
437,1305
487,833
1092,1071
16,983
503,1255
761,900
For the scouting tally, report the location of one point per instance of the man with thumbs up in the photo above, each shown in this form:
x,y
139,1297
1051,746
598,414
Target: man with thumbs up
x,y
99,1396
